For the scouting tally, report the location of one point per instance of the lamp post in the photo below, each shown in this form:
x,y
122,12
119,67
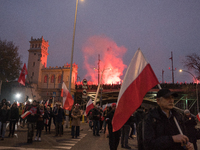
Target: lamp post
x,y
196,87
70,75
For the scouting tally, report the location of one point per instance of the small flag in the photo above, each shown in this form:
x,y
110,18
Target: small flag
x,y
25,114
46,121
67,98
138,80
198,116
24,72
47,103
89,106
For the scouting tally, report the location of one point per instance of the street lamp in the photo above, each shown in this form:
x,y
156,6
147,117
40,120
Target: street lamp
x,y
196,87
18,95
70,76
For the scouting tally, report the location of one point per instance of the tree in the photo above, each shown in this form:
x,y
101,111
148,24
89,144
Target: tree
x,y
193,62
10,63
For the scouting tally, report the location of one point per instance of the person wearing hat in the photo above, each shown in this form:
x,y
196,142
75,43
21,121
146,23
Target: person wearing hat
x,y
190,123
160,129
76,115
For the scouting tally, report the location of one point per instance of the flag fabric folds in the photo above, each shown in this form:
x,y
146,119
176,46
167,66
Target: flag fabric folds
x,y
198,116
138,80
89,106
24,72
47,103
67,98
23,116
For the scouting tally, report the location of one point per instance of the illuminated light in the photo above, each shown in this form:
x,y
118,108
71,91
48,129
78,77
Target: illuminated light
x,y
111,58
18,95
180,70
30,100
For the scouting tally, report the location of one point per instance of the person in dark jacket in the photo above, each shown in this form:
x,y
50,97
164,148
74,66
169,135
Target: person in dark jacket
x,y
48,119
160,129
95,118
31,120
14,117
40,122
4,117
3,101
190,123
114,137
59,116
125,134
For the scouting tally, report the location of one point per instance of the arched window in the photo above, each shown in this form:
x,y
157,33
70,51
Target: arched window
x,y
52,78
59,78
45,79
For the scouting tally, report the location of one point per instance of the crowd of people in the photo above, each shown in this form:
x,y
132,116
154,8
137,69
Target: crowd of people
x,y
36,117
159,128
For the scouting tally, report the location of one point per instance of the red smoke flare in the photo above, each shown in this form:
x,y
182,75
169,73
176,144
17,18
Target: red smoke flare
x,y
110,57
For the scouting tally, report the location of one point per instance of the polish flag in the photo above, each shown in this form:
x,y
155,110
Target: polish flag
x,y
47,103
24,72
67,98
198,116
25,114
89,106
138,80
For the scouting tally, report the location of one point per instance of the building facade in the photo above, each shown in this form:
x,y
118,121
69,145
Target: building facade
x,y
47,81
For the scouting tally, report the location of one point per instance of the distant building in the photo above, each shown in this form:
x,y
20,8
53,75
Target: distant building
x,y
47,81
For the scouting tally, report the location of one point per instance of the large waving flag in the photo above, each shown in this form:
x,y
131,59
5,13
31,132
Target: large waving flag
x,y
89,106
24,72
67,98
138,80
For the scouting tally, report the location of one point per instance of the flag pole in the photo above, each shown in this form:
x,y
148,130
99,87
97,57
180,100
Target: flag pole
x,y
98,88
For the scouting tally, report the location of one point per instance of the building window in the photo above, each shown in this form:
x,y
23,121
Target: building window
x,y
52,78
59,78
34,53
39,45
45,79
32,74
33,64
35,45
32,45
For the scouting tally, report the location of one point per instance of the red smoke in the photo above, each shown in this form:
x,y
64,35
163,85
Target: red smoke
x,y
110,57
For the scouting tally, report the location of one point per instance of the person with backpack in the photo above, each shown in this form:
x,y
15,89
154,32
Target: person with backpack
x,y
164,127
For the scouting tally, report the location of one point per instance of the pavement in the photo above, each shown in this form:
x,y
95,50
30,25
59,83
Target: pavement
x,y
85,141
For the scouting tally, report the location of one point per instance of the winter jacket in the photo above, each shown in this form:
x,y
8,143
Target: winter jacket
x,y
95,114
14,114
33,117
158,130
4,114
59,115
190,123
76,117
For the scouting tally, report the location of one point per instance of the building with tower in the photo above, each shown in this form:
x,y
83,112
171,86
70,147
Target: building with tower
x,y
46,81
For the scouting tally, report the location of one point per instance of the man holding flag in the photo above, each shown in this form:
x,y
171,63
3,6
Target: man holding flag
x,y
161,128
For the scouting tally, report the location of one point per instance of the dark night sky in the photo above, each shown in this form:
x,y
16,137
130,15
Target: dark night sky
x,y
157,27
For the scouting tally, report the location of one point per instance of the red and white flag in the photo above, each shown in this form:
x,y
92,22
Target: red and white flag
x,y
89,106
67,98
47,103
198,116
25,114
24,72
138,80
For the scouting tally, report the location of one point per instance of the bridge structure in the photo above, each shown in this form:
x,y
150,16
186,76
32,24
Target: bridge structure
x,y
187,98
